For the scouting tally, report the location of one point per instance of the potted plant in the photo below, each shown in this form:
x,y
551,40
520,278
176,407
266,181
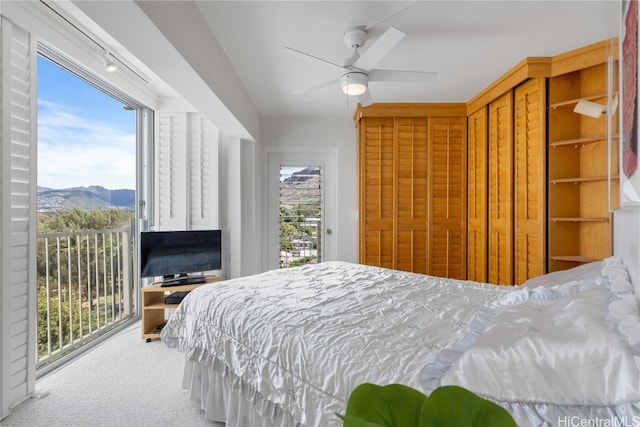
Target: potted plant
x,y
397,405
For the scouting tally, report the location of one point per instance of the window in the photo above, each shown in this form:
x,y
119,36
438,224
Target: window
x,y
89,135
300,217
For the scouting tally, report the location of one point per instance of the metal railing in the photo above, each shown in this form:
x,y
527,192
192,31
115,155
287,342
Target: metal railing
x,y
85,288
300,242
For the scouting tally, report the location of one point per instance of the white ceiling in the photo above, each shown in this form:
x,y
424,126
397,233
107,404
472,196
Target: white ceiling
x,y
468,43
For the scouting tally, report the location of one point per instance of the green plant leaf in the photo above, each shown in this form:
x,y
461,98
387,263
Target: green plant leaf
x,y
392,405
349,421
456,406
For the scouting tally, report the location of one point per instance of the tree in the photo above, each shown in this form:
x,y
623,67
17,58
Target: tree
x,y
78,273
77,219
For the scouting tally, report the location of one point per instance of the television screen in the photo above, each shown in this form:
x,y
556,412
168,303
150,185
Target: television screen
x,y
177,253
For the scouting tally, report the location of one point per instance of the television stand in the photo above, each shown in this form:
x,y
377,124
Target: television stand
x,y
154,307
183,280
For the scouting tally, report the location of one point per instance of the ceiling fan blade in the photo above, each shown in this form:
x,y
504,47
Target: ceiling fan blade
x,y
379,49
365,99
311,58
315,87
401,76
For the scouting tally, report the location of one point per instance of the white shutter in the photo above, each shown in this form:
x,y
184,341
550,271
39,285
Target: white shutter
x,y
186,172
171,168
203,173
17,215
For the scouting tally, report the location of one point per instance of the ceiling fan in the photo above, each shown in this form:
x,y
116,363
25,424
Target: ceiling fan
x,y
358,70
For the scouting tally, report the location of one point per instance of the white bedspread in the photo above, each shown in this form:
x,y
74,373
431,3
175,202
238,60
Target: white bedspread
x,y
299,340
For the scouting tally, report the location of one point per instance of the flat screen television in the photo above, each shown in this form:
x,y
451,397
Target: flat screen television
x,y
174,255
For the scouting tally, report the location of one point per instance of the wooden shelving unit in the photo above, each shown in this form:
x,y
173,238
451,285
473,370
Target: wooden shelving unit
x,y
154,307
579,217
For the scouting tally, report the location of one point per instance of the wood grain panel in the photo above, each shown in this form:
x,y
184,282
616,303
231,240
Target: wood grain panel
x,y
501,190
412,204
477,196
530,194
448,195
376,193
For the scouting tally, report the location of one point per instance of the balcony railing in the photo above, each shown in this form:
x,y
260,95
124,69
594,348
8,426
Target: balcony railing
x,y
85,288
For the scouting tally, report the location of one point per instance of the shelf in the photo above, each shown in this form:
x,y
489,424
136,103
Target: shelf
x,y
579,219
574,101
574,258
160,305
578,180
579,142
580,173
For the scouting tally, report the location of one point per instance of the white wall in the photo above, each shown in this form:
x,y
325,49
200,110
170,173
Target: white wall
x,y
626,240
336,133
239,206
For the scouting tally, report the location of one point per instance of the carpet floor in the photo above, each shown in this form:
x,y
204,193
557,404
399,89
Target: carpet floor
x,y
123,381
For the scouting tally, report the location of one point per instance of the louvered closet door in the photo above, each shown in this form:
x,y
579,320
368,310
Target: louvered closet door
x,y
376,198
501,190
529,231
448,194
477,211
412,203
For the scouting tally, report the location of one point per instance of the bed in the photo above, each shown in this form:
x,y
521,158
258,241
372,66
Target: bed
x,y
287,347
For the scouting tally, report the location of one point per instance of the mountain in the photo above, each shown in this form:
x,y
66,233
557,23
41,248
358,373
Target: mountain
x,y
301,188
93,197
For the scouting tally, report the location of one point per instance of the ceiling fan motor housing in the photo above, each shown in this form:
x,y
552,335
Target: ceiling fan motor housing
x,y
355,37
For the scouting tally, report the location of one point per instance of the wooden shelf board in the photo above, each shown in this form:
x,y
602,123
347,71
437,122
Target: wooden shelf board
x,y
578,180
156,287
579,219
159,305
578,142
574,258
574,101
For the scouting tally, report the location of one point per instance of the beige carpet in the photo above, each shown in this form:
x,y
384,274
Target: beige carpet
x,y
121,382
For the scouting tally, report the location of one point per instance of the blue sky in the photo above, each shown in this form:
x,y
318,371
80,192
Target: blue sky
x,y
85,137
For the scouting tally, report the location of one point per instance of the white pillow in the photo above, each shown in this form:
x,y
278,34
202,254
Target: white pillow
x,y
592,270
564,351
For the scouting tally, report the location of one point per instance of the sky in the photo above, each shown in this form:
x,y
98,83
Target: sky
x,y
85,137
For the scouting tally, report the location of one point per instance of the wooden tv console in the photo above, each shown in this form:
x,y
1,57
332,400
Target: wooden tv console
x,y
153,305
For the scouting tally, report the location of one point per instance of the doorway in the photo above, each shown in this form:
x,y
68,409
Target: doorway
x,y
300,209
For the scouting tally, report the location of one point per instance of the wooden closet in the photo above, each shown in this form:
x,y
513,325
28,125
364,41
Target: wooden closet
x,y
477,196
507,176
412,197
506,187
529,179
500,192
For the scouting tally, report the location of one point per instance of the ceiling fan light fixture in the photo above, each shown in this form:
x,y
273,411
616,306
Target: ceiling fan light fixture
x,y
354,83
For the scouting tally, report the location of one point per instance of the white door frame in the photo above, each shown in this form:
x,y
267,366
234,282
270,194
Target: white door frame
x,y
326,158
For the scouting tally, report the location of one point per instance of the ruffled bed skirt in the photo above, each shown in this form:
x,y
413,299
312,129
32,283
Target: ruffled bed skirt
x,y
223,399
